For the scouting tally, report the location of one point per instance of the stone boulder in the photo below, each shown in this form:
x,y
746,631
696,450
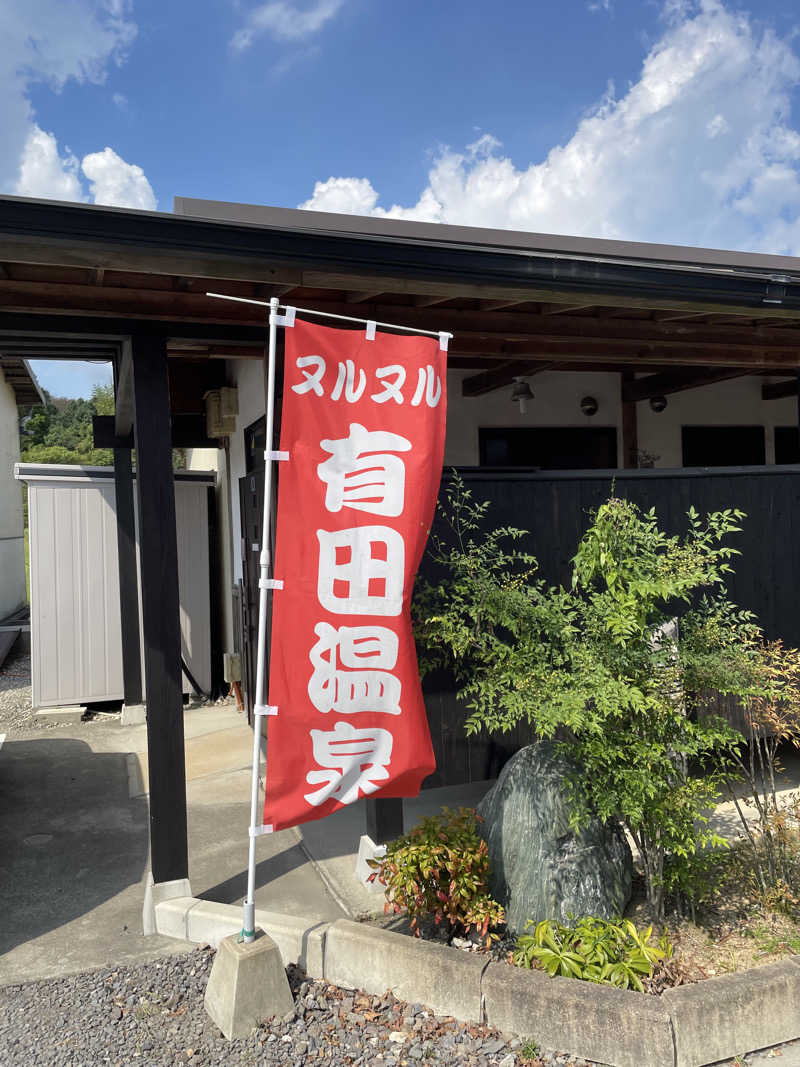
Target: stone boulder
x,y
540,867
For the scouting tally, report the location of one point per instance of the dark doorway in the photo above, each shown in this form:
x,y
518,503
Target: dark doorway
x,y
723,446
554,448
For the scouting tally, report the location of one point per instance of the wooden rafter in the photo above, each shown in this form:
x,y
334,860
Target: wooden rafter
x,y
362,297
634,389
779,390
498,377
429,301
563,309
769,346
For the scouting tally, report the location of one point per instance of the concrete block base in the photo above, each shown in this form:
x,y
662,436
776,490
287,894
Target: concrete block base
x,y
368,850
62,716
247,984
133,714
155,893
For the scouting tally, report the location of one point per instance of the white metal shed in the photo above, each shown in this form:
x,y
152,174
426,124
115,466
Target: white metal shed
x,y
76,645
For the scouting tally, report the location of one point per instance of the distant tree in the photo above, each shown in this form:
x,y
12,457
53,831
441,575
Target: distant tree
x,y
60,430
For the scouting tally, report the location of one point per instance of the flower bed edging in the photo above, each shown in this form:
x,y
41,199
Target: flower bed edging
x,y
600,1023
722,1017
690,1026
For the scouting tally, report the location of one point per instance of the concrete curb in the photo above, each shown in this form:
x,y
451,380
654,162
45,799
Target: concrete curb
x,y
686,1027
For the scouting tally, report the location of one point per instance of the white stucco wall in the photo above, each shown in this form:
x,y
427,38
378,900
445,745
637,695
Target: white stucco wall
x,y
12,545
556,402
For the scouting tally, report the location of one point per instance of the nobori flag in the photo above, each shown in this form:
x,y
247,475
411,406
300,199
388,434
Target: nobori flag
x,y
363,422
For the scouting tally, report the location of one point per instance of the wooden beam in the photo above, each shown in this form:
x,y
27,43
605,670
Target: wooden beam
x,y
563,309
463,323
188,431
128,580
779,390
677,316
121,256
364,297
429,301
630,424
634,389
123,396
631,356
500,376
158,553
499,305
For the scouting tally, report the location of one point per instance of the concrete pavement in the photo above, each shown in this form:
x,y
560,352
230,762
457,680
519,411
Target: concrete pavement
x,y
74,843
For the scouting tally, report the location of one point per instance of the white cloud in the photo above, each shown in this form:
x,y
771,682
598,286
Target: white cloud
x,y
45,173
284,21
113,181
53,42
700,150
120,100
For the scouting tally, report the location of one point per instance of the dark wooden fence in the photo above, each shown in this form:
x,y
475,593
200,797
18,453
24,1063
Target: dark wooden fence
x,y
555,506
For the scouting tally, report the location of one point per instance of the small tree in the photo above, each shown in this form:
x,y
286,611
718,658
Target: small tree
x,y
599,666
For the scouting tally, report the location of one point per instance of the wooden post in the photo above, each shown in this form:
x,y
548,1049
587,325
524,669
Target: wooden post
x,y
128,581
630,428
158,553
384,819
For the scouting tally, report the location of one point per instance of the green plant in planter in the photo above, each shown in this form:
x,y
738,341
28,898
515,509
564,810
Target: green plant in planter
x,y
440,871
594,950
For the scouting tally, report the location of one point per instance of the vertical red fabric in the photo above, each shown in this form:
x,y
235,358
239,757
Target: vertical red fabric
x,y
363,421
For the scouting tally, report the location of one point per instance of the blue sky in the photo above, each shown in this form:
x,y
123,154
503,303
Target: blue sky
x,y
673,120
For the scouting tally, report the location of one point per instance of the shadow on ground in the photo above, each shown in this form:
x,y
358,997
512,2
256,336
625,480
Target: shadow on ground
x,y
70,837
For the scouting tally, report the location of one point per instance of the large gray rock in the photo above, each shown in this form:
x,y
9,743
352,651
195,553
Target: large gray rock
x,y
540,867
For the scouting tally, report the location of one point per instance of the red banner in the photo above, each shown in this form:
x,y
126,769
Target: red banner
x,y
363,422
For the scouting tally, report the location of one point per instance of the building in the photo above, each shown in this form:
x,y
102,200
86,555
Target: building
x,y
673,371
19,390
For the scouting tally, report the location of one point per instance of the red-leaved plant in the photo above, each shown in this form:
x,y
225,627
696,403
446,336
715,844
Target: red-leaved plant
x,y
440,871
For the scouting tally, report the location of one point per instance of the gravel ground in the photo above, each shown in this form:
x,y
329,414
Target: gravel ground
x,y
16,712
154,1014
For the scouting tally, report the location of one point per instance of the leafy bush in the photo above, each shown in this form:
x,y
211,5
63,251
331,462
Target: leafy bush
x,y
440,870
594,950
601,665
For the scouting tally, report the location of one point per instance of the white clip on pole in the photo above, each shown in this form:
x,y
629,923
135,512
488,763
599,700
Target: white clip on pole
x,y
265,584
370,330
444,340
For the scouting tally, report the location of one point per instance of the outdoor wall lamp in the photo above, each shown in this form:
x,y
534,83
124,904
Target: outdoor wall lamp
x,y
521,393
658,403
589,405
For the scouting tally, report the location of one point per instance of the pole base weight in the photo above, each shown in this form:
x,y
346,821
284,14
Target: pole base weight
x,y
247,985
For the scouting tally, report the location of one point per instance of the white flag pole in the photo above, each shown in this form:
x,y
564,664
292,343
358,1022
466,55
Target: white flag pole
x,y
264,585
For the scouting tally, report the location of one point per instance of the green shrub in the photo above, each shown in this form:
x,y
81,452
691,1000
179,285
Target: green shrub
x,y
440,871
594,950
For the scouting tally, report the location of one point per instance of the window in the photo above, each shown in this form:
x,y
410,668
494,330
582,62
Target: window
x,y
723,446
787,444
555,448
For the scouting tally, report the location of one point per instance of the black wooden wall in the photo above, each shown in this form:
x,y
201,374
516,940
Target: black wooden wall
x,y
555,508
